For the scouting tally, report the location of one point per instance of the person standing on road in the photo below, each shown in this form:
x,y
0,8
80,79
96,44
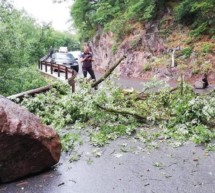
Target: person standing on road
x,y
87,59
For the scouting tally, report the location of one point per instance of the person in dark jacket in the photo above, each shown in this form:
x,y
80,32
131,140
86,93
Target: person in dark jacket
x,y
87,59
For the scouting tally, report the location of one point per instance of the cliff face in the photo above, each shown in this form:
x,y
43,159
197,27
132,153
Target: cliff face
x,y
139,47
149,52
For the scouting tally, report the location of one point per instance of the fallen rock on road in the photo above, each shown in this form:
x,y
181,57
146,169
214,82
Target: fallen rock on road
x,y
26,145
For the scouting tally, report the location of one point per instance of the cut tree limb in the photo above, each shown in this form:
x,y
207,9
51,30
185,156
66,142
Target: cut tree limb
x,y
111,69
122,112
125,112
143,96
31,92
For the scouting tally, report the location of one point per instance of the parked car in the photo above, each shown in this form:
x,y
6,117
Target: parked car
x,y
66,59
76,54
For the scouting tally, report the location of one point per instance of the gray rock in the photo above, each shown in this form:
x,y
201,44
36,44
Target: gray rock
x,y
199,84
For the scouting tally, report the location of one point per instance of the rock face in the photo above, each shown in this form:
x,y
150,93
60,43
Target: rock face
x,y
148,53
140,48
26,145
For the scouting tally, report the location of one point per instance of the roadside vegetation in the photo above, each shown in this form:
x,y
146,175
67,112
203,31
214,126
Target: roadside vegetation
x,y
110,113
23,42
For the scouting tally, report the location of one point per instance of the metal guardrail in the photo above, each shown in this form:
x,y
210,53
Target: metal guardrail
x,y
43,63
59,67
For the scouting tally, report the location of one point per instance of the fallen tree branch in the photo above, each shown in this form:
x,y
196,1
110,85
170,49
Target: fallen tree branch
x,y
110,70
173,89
122,112
30,92
143,96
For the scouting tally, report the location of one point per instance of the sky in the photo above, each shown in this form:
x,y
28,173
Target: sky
x,y
47,11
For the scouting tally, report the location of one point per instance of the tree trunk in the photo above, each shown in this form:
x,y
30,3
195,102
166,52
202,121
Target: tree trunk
x,y
31,92
96,83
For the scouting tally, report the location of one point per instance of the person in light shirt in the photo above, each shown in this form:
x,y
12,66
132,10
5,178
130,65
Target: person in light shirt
x,y
87,59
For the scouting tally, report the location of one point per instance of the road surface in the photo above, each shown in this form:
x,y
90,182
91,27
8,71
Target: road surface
x,y
126,166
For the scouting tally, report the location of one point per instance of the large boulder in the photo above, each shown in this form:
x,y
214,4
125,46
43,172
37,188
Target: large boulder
x,y
199,84
26,145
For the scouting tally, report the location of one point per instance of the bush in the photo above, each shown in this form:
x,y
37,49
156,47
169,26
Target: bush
x,y
197,14
17,80
187,51
207,47
142,10
120,27
147,67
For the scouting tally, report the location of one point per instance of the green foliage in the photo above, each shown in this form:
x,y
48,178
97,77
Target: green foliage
x,y
179,115
69,140
142,10
114,48
17,80
117,16
207,47
23,42
199,14
112,15
147,67
105,12
120,27
59,107
82,12
187,51
192,117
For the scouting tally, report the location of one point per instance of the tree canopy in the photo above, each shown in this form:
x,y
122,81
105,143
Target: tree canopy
x,y
23,42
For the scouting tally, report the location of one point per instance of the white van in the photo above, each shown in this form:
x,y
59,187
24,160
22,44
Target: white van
x,y
63,49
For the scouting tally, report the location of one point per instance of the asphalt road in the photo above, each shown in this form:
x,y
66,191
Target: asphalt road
x,y
126,166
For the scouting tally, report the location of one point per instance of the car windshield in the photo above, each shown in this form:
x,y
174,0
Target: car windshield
x,y
64,56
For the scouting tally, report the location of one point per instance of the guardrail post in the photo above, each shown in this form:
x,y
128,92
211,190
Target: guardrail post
x,y
66,73
46,66
41,65
58,70
51,68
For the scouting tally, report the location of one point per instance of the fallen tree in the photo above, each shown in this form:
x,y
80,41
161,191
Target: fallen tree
x,y
30,92
108,73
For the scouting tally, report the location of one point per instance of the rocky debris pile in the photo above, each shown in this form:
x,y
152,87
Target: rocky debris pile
x,y
26,145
